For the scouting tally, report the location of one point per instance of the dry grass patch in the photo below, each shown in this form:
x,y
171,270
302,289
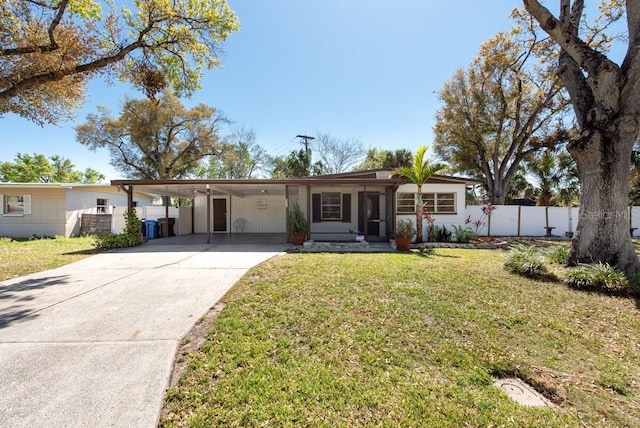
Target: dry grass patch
x,y
408,340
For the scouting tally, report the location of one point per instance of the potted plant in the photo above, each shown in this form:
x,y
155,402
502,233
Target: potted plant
x,y
404,234
298,225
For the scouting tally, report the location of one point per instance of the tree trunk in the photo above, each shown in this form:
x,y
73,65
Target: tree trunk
x,y
603,158
498,189
419,218
419,215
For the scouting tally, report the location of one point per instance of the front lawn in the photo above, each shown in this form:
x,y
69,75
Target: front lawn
x,y
409,340
22,257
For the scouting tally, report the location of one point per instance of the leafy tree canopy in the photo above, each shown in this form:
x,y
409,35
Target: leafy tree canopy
x,y
378,159
154,139
296,164
505,106
37,168
240,157
50,48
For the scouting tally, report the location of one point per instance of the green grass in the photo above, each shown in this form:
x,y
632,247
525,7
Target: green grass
x,y
22,257
409,340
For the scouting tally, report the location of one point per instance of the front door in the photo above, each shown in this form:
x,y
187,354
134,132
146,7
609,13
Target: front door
x,y
369,211
219,215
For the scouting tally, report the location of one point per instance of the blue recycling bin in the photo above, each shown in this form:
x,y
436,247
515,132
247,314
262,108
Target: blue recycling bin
x,y
152,229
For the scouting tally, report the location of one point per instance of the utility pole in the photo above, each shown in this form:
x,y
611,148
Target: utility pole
x,y
305,141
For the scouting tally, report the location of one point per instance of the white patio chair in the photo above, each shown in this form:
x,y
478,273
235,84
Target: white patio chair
x,y
239,224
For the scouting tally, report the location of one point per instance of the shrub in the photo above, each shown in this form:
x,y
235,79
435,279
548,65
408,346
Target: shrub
x,y
116,240
439,234
405,229
558,254
463,234
297,221
599,277
527,261
130,237
132,223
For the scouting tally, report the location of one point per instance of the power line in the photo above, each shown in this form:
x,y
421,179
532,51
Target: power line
x,y
305,141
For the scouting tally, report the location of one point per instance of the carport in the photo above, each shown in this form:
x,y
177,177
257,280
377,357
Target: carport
x,y
256,210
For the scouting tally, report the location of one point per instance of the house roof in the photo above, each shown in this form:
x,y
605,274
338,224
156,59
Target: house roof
x,y
253,186
66,186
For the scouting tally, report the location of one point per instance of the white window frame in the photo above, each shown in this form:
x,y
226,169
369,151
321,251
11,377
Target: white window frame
x,y
328,200
404,207
438,201
102,208
9,201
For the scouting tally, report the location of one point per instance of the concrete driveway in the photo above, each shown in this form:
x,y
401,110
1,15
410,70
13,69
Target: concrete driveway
x,y
92,344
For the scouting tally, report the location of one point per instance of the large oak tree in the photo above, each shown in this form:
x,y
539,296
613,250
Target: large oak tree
x,y
154,139
606,100
50,48
505,106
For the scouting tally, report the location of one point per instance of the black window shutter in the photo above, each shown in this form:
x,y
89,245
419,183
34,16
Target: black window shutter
x,y
316,207
346,207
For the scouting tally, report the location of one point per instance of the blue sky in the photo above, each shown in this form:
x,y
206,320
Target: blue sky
x,y
363,69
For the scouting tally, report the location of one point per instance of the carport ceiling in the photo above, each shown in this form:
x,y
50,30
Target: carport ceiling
x,y
193,190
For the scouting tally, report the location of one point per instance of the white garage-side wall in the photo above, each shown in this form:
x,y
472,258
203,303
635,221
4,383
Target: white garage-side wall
x,y
48,214
448,220
200,214
82,199
261,213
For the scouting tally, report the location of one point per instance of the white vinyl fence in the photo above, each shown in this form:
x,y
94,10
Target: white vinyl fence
x,y
505,220
155,212
512,220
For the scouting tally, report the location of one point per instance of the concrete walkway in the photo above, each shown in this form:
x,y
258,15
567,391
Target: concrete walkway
x,y
92,344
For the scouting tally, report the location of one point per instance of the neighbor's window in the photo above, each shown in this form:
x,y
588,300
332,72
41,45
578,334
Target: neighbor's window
x,y
101,205
406,203
439,203
331,206
14,204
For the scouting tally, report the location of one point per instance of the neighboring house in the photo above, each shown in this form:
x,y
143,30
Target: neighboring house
x,y
337,206
50,209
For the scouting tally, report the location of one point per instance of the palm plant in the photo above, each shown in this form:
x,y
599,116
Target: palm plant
x,y
419,173
556,177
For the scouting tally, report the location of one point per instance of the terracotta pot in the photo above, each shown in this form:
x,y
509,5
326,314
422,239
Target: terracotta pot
x,y
403,244
298,238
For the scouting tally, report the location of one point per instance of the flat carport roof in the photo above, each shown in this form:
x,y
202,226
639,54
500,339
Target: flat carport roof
x,y
188,188
239,187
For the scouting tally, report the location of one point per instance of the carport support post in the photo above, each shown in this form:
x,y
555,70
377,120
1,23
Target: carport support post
x,y
309,210
364,214
208,214
129,193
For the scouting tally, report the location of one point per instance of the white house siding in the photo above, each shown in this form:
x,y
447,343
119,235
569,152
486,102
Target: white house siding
x,y
447,220
262,213
47,218
200,214
183,222
83,200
